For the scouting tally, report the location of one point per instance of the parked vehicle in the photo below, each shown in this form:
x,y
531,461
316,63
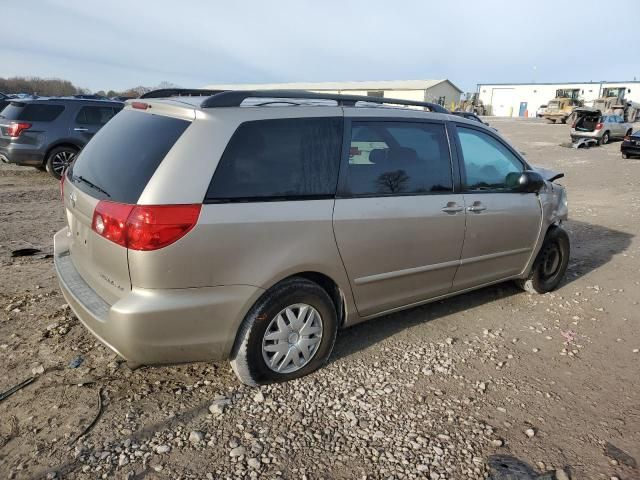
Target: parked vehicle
x,y
630,146
205,228
47,133
591,123
561,108
541,111
472,104
4,100
612,101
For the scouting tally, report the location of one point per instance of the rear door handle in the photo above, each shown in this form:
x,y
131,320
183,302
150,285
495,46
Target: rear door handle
x,y
476,207
452,207
80,129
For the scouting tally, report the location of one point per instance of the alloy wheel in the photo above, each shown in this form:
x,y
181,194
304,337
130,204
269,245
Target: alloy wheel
x,y
61,160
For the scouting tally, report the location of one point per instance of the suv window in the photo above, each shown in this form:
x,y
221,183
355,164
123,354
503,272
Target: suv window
x,y
489,165
123,156
397,158
294,158
32,112
94,115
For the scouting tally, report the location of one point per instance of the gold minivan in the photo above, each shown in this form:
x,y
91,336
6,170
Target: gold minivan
x,y
255,225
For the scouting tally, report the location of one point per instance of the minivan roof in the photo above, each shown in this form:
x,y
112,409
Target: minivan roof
x,y
203,99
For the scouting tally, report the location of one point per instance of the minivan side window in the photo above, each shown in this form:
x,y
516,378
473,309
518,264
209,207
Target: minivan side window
x,y
283,159
94,115
488,164
397,158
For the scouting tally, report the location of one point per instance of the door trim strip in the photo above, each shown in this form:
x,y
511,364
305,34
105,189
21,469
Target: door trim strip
x,y
436,266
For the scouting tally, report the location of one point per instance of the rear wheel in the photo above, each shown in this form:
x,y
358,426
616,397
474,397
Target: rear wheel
x,y
287,334
550,265
60,158
625,156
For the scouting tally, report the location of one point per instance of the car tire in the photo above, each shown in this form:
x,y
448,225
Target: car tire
x,y
550,264
625,156
60,156
605,139
269,345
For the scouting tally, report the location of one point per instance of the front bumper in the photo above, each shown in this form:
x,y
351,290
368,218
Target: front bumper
x,y
157,326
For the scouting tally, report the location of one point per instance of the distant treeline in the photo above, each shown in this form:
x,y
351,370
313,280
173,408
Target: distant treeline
x,y
39,86
56,87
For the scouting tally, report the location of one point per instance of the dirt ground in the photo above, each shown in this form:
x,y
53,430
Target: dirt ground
x,y
427,393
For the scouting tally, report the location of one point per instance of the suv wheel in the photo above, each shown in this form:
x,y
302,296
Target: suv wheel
x,y
287,334
59,158
625,156
550,264
605,138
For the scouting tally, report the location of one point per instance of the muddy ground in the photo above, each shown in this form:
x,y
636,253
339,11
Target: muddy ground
x,y
427,393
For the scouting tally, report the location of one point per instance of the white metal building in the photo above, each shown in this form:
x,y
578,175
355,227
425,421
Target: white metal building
x,y
437,91
523,99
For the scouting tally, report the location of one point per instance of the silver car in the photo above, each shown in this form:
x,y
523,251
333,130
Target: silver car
x,y
592,124
255,225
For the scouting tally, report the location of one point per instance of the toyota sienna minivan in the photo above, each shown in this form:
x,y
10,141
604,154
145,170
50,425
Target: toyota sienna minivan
x,y
254,226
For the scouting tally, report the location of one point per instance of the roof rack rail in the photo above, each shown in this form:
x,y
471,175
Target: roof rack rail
x,y
234,98
179,92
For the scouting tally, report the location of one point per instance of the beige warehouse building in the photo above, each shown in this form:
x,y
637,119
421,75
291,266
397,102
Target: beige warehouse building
x,y
442,92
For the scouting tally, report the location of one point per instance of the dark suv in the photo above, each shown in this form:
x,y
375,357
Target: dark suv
x,y
47,133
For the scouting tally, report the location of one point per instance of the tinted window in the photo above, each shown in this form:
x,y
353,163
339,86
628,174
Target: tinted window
x,y
94,115
397,158
489,165
275,159
32,112
121,158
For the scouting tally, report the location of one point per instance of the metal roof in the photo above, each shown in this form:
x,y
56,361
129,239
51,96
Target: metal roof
x,y
533,84
366,85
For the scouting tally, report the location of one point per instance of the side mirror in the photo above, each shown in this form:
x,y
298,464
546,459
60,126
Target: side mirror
x,y
530,182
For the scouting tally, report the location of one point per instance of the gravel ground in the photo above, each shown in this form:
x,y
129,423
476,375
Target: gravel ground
x,y
431,392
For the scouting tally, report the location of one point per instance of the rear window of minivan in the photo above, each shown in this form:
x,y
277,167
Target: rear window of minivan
x,y
32,112
122,157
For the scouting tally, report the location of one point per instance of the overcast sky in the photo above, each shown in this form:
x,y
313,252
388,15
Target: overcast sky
x,y
115,44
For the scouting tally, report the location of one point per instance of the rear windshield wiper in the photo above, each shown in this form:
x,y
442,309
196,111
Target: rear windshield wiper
x,y
92,185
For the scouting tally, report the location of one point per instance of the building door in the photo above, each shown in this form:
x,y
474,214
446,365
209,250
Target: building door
x,y
523,109
502,100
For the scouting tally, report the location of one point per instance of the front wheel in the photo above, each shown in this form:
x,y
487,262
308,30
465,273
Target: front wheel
x,y
550,265
60,158
605,138
287,334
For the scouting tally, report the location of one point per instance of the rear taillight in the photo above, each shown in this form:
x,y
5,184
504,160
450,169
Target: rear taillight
x,y
15,129
599,126
110,221
144,227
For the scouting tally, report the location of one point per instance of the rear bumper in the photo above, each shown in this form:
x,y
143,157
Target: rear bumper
x,y
157,326
21,155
